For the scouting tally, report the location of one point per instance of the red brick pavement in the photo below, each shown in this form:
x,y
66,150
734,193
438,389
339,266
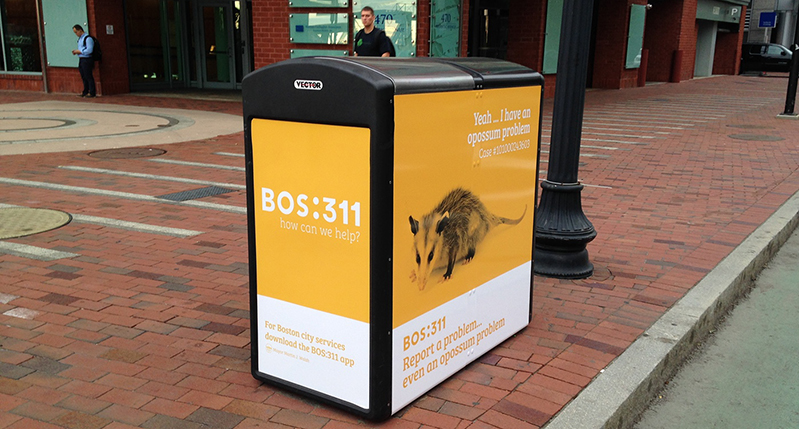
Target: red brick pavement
x,y
145,330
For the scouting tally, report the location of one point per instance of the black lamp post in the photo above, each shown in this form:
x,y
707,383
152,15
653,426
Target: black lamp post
x,y
790,98
562,229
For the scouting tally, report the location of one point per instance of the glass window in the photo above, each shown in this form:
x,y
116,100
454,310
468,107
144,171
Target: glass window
x,y
445,28
156,42
145,44
20,36
775,50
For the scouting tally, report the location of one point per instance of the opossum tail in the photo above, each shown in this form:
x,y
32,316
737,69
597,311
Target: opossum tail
x,y
503,220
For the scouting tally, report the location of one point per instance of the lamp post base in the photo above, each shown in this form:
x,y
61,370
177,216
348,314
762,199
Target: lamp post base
x,y
562,233
562,265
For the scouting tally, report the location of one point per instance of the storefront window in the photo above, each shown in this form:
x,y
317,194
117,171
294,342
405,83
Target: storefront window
x,y
20,37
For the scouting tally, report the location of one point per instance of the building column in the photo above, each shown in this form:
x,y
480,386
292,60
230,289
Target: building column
x,y
107,23
526,33
613,23
728,50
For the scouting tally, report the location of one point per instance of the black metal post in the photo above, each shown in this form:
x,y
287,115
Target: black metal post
x,y
562,230
790,98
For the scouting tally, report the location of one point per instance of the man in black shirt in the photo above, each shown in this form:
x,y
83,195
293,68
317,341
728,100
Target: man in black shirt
x,y
371,41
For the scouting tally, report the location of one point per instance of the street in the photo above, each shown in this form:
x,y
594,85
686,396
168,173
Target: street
x,y
746,374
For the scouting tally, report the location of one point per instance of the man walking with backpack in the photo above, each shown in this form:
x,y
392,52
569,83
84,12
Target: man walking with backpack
x,y
85,61
371,41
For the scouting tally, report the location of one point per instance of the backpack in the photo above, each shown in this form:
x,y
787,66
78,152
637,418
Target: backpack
x,y
391,51
97,52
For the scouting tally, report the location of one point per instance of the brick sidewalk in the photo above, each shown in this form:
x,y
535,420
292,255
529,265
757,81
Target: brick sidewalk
x,y
151,330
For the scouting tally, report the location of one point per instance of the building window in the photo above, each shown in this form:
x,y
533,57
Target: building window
x,y
20,36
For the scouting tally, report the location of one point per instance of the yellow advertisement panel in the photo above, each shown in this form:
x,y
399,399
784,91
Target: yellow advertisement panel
x,y
463,229
464,192
311,185
311,201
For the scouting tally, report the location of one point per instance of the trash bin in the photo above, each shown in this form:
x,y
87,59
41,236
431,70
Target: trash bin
x,y
390,212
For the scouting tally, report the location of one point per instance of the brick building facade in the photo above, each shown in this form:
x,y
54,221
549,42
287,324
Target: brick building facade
x,y
158,44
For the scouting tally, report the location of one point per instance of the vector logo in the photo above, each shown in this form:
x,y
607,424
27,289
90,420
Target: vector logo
x,y
312,85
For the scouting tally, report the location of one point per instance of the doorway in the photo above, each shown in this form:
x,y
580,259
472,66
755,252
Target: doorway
x,y
193,44
221,48
488,28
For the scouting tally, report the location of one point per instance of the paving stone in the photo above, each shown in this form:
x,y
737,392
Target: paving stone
x,y
223,328
89,325
166,422
121,331
14,371
188,322
241,314
128,415
89,260
297,419
210,244
215,309
115,270
176,286
43,364
77,420
143,275
193,264
215,418
64,268
62,275
122,355
157,327
173,279
232,352
39,411
83,404
57,298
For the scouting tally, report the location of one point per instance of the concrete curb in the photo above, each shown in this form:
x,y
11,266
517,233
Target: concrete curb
x,y
616,397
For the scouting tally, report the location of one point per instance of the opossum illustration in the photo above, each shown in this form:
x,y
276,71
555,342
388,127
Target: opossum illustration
x,y
450,232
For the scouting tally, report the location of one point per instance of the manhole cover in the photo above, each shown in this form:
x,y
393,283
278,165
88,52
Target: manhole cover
x,y
21,221
750,127
756,137
127,153
601,274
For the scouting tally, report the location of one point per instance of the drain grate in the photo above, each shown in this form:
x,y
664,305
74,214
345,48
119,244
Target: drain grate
x,y
196,194
127,153
750,127
22,221
756,137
